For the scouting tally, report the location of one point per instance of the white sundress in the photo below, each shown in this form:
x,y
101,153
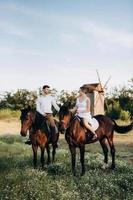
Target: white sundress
x,y
82,107
86,115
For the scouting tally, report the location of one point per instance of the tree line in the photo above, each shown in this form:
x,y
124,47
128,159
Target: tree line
x,y
118,103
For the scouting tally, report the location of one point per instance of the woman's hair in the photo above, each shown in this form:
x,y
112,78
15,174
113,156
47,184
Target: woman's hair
x,y
83,89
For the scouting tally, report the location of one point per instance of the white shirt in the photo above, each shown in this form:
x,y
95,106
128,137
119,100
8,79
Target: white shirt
x,y
44,104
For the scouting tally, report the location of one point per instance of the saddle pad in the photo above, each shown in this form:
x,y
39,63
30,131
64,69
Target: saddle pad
x,y
94,123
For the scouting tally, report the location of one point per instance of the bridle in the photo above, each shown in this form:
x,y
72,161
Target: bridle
x,y
67,124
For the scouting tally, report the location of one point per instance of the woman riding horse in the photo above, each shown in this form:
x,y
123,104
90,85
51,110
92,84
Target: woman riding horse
x,y
82,109
76,135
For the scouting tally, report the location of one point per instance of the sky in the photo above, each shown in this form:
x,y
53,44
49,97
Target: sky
x,y
63,42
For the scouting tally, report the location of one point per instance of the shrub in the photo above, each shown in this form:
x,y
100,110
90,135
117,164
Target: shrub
x,y
18,100
114,110
125,115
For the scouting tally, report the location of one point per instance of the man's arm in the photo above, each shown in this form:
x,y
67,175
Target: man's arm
x,y
54,104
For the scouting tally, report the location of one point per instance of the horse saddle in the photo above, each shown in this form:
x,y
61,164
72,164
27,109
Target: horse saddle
x,y
93,122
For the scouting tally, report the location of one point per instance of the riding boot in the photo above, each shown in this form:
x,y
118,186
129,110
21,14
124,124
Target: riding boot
x,y
91,136
29,139
88,136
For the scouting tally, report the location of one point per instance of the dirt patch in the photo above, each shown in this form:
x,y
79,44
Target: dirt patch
x,y
9,127
12,127
124,138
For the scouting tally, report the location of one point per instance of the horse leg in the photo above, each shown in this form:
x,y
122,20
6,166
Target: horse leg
x,y
42,156
55,145
112,150
82,153
48,153
105,149
73,158
34,148
53,153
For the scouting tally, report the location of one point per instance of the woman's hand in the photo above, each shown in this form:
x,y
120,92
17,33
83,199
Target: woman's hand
x,y
80,111
77,111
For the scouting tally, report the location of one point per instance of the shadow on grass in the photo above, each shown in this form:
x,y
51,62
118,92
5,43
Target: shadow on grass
x,y
58,169
10,163
11,139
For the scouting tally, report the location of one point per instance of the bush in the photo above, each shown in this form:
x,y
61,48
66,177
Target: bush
x,y
125,115
18,100
68,99
114,111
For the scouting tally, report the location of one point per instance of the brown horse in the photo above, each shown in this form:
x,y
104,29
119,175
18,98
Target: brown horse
x,y
76,135
40,134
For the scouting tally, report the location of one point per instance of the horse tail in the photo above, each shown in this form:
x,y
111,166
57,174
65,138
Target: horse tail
x,y
122,129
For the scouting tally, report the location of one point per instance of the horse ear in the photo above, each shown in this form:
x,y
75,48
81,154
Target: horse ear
x,y
29,108
68,105
21,110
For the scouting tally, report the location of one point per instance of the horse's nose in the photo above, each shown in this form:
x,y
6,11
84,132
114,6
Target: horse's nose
x,y
22,133
62,131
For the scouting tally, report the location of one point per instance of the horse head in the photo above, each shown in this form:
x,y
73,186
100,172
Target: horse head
x,y
27,117
64,118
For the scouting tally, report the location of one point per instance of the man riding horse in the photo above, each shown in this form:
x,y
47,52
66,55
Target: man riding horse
x,y
44,105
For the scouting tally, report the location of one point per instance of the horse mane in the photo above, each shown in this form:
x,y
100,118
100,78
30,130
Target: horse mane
x,y
39,119
25,111
64,110
39,122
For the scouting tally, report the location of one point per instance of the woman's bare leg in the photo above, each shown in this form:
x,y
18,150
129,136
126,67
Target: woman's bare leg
x,y
89,127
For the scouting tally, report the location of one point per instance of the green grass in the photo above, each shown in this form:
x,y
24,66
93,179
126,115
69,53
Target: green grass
x,y
19,181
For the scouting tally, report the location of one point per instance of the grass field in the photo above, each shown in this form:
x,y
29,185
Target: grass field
x,y
19,181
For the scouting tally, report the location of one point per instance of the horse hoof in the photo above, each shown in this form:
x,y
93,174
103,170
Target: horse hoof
x,y
74,173
56,146
113,167
83,173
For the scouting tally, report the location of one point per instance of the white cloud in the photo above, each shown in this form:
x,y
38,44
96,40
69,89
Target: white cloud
x,y
71,28
69,37
13,29
69,57
107,35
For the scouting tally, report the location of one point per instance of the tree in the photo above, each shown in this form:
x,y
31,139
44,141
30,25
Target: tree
x,y
123,98
67,98
18,100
